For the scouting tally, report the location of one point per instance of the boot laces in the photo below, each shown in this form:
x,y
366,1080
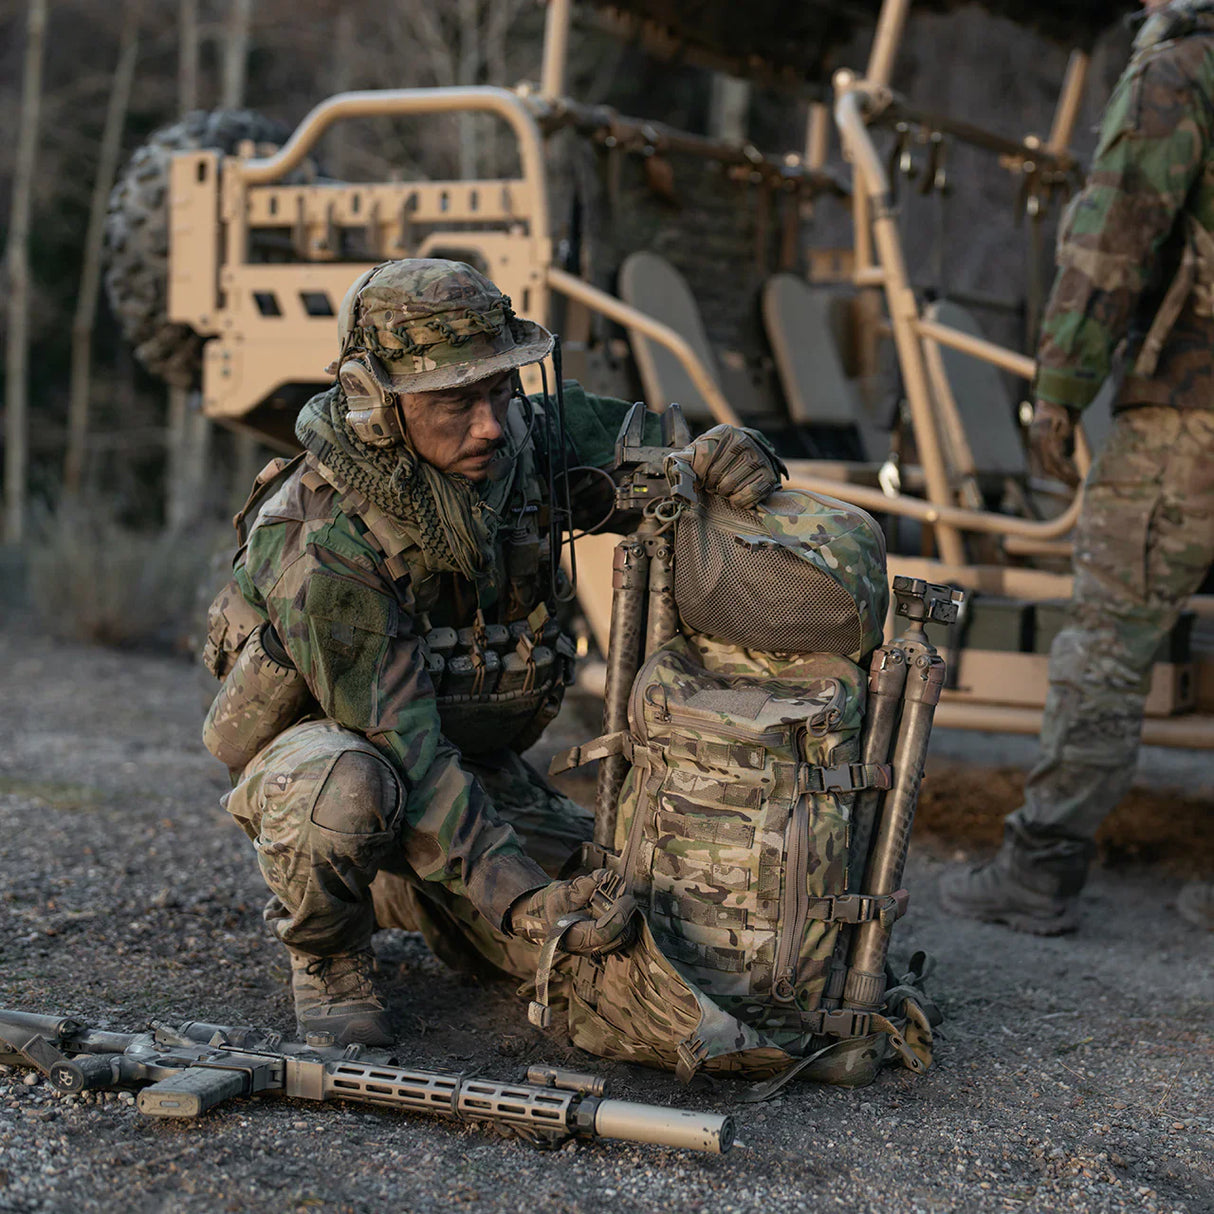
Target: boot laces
x,y
345,976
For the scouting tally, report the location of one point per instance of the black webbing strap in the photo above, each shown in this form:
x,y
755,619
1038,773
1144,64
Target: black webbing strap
x,y
847,777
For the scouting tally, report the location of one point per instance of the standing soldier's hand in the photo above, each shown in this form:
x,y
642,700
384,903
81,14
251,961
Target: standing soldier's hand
x,y
1052,438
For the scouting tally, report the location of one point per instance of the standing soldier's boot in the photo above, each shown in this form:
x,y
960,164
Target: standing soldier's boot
x,y
1030,885
335,995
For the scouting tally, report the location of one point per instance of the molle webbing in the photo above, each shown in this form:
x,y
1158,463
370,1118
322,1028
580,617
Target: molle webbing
x,y
388,535
803,777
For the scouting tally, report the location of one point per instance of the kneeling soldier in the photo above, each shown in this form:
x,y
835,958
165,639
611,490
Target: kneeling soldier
x,y
389,648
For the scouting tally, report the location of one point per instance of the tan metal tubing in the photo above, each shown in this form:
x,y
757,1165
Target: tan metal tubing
x,y
372,103
1070,98
1007,360
903,313
1190,730
908,330
979,347
631,318
801,476
556,49
886,39
817,135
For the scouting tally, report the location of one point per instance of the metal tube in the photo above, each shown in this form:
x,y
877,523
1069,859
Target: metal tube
x,y
1192,731
629,581
895,110
556,48
370,103
886,686
801,476
903,310
632,318
662,618
601,122
1070,98
886,39
924,681
979,347
624,1120
817,135
1003,358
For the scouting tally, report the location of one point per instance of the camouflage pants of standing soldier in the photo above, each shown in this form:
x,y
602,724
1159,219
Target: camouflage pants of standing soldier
x,y
1143,544
325,813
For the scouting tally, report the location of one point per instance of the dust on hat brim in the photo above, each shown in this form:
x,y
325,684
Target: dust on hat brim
x,y
535,344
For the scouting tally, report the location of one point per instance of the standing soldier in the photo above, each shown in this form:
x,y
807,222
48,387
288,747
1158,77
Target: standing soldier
x,y
1135,283
389,644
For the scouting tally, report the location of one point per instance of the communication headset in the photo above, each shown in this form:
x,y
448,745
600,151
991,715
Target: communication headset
x,y
373,405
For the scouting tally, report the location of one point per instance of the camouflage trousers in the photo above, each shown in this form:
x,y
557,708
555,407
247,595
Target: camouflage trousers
x,y
1143,544
326,817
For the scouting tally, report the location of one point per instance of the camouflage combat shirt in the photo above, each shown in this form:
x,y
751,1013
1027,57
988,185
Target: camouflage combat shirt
x,y
1122,239
311,570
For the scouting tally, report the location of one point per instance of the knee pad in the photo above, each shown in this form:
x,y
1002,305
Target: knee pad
x,y
360,795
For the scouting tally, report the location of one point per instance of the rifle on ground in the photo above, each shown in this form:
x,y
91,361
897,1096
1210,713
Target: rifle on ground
x,y
194,1066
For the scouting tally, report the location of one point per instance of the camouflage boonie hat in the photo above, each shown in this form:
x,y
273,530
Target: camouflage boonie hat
x,y
436,324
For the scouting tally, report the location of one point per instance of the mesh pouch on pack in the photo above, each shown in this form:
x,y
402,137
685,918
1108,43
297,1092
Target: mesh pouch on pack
x,y
800,573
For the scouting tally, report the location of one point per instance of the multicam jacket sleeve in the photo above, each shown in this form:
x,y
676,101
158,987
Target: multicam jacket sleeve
x,y
309,570
1115,249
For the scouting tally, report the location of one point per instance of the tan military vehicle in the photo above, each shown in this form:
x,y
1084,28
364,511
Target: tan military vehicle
x,y
256,251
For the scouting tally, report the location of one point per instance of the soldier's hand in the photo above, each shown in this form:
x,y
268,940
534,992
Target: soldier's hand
x,y
732,464
1052,438
604,920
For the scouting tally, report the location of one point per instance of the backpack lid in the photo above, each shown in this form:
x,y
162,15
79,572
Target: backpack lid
x,y
798,573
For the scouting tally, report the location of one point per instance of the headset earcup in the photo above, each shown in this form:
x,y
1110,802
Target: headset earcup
x,y
370,409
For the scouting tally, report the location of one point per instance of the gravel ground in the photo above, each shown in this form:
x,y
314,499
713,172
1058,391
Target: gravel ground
x,y
1072,1074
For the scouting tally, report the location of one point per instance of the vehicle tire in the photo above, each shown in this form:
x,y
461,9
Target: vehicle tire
x,y
137,236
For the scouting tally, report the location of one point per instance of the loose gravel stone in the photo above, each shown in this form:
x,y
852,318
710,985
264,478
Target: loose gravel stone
x,y
1074,1074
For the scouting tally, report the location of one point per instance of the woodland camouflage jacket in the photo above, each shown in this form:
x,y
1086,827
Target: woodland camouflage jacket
x,y
1123,238
309,567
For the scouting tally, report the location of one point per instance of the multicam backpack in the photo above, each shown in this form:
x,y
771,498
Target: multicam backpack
x,y
734,829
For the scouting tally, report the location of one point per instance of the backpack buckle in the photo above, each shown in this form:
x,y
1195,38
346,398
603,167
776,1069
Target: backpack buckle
x,y
846,778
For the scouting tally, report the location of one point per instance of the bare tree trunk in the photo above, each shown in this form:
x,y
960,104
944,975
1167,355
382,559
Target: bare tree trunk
x,y
16,432
342,76
90,275
187,56
188,435
236,54
468,69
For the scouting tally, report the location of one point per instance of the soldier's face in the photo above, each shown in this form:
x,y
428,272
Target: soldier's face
x,y
460,430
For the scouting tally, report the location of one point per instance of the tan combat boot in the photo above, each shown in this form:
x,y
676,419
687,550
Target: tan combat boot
x,y
335,995
997,893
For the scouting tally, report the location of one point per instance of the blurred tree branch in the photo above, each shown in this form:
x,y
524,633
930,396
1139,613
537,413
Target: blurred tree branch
x,y
16,428
90,274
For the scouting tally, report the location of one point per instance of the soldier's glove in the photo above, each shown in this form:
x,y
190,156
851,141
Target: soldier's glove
x,y
733,464
605,915
1052,438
